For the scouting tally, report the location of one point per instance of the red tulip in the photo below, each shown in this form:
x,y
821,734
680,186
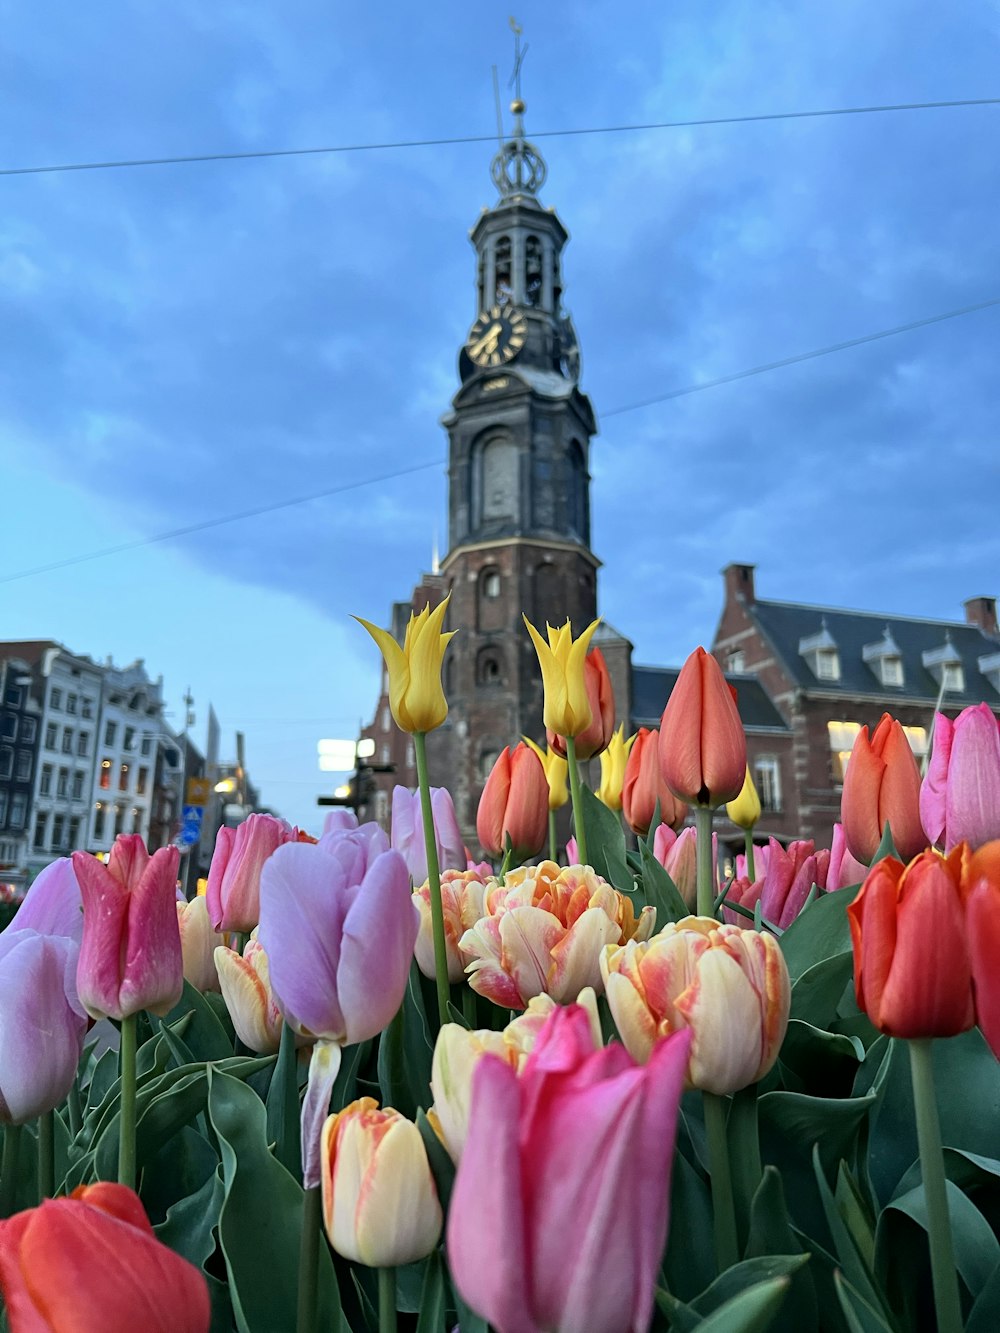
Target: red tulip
x,y
703,750
644,786
601,696
982,919
912,970
882,786
514,804
91,1264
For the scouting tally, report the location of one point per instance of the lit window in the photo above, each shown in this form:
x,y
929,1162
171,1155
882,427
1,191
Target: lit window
x,y
123,778
105,774
842,738
917,736
140,781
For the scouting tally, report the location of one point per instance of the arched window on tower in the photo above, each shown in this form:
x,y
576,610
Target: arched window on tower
x,y
499,480
504,282
533,271
481,280
576,498
489,667
492,609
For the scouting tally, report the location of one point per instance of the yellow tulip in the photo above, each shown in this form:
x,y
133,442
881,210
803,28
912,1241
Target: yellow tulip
x,y
415,695
745,810
613,769
567,709
556,773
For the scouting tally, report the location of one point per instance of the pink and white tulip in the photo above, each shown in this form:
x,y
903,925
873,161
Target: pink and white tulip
x,y
463,895
960,796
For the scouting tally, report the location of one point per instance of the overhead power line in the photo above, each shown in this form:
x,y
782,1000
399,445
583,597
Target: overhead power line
x,y
115,164
698,387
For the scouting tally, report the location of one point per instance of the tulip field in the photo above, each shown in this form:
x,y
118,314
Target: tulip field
x,y
368,1083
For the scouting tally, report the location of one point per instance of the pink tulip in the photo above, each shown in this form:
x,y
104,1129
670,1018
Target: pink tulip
x,y
53,905
960,796
782,889
571,1163
676,852
233,890
844,870
130,956
408,831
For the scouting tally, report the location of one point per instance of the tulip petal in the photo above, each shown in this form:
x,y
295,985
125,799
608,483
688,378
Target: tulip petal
x,y
974,779
576,958
244,987
899,796
528,936
153,964
723,1012
380,930
872,919
105,905
983,918
934,788
485,1237
396,664
324,1065
859,801
53,905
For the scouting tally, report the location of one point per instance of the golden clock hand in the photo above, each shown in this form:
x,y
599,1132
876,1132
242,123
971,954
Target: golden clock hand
x,y
492,334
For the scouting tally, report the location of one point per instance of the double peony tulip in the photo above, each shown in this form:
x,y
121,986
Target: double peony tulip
x,y
960,796
882,786
595,738
463,893
703,749
380,1203
233,892
130,954
514,805
90,1263
408,831
543,931
416,698
729,986
643,786
559,1212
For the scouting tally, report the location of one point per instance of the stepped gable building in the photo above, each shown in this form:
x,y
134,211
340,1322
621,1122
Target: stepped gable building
x,y
519,433
827,672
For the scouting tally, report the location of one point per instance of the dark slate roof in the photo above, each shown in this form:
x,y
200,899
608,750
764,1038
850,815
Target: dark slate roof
x,y
651,687
786,624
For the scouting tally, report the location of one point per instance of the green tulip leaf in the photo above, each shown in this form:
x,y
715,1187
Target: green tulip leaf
x,y
743,1142
190,1222
206,1036
984,1317
820,931
688,1265
260,1220
442,1167
823,1063
660,890
771,1232
858,1314
886,847
282,1103
752,1310
433,1297
605,842
854,1259
818,990
902,1251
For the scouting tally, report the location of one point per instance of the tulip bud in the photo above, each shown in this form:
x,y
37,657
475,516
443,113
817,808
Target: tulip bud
x,y
416,698
408,831
729,986
843,870
245,983
556,773
678,854
643,786
745,810
613,761
982,919
595,738
567,710
233,892
198,944
785,879
703,750
960,796
882,786
514,805
380,1204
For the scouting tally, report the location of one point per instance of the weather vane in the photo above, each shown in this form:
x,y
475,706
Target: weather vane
x,y
519,54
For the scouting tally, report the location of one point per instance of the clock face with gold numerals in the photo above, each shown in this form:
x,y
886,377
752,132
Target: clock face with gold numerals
x,y
497,336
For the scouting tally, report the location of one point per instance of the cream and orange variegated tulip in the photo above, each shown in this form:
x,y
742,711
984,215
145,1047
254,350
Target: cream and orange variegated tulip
x,y
415,695
556,773
463,893
458,1051
543,930
567,708
380,1204
198,944
613,761
729,986
245,982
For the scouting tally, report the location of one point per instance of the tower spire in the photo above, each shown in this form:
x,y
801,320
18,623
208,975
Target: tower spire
x,y
518,167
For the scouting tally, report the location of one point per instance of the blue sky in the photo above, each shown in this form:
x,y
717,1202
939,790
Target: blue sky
x,y
182,342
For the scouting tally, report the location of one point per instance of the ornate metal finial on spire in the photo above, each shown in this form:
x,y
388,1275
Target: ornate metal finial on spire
x,y
518,168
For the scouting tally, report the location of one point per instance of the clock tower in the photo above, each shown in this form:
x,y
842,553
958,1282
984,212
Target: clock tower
x,y
519,433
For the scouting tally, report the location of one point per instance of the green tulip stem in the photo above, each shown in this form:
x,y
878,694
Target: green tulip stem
x,y
723,1210
946,1298
469,1006
433,880
577,795
126,1134
706,880
748,844
8,1169
312,1212
46,1155
386,1300
553,848
75,1108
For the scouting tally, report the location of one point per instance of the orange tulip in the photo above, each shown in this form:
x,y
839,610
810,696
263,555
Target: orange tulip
x,y
983,926
882,786
912,969
601,696
644,786
703,750
514,804
90,1263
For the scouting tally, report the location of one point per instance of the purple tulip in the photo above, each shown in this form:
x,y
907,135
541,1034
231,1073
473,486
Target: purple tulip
x,y
355,848
53,906
42,1024
960,796
338,820
408,832
844,870
570,1160
130,955
340,950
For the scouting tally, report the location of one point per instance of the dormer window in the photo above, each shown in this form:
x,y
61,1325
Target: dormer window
x,y
990,668
953,677
736,661
820,652
946,667
885,659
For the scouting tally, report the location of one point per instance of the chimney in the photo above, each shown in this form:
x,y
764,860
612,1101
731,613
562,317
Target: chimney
x,y
739,583
982,611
